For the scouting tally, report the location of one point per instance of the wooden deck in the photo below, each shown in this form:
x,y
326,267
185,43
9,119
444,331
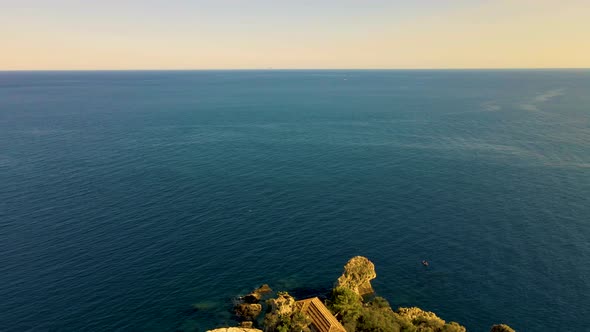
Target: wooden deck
x,y
322,319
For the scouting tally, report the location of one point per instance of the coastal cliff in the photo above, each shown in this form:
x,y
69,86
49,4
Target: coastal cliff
x,y
357,276
350,307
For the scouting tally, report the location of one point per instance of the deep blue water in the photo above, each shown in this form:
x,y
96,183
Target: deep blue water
x,y
128,197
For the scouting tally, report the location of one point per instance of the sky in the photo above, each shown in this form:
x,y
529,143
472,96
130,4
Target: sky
x,y
280,34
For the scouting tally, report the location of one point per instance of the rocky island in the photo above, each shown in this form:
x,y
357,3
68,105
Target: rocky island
x,y
351,306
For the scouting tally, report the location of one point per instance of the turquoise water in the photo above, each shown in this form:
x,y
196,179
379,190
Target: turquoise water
x,y
129,197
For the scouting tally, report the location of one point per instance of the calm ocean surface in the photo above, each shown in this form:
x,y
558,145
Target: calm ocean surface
x,y
128,197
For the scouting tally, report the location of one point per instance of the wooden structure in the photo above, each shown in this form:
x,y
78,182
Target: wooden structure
x,y
322,319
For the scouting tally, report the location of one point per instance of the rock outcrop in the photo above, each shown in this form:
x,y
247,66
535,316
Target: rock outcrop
x,y
284,315
283,305
234,329
248,307
248,311
501,328
264,289
357,276
251,298
257,294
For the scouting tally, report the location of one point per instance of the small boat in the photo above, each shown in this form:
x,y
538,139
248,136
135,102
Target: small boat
x,y
425,262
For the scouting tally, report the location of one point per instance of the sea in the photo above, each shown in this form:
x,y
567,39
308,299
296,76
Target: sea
x,y
150,200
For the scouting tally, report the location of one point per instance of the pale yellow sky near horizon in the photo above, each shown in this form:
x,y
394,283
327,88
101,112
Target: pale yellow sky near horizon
x,y
63,35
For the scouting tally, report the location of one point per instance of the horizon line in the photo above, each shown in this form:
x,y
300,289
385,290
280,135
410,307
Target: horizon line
x,y
293,69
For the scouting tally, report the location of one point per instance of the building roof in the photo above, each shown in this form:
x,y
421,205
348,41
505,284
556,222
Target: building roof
x,y
321,318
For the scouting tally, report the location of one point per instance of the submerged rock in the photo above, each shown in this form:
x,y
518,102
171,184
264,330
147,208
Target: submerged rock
x,y
357,276
205,305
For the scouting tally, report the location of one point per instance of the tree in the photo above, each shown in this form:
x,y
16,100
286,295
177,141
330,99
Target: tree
x,y
347,306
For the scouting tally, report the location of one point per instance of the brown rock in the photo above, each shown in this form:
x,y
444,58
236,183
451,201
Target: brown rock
x,y
263,289
234,329
246,324
357,276
282,305
256,295
248,311
252,298
501,328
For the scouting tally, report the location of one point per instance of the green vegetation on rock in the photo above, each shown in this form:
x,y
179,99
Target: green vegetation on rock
x,y
377,315
282,317
347,306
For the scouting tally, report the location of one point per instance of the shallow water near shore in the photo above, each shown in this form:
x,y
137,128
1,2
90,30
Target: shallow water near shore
x,y
148,200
